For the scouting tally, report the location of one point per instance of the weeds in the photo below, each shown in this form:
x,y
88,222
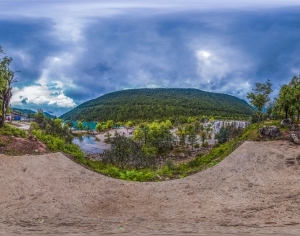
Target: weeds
x,y
12,131
58,144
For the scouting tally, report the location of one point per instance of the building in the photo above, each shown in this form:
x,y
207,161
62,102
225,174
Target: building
x,y
16,115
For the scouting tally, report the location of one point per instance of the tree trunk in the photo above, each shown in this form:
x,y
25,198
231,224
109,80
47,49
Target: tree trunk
x,y
3,115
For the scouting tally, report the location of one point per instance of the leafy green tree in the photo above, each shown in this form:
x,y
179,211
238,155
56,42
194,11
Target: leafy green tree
x,y
40,118
139,135
203,119
223,135
189,128
181,132
197,126
79,125
190,120
118,124
192,137
125,153
6,80
270,111
54,127
110,124
168,124
260,96
286,99
129,123
295,84
203,136
99,127
107,135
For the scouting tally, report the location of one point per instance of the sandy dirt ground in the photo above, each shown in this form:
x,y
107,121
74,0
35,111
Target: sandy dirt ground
x,y
21,124
256,189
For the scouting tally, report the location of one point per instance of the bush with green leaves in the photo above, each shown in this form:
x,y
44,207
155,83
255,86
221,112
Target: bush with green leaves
x,y
227,133
125,153
223,135
53,127
155,136
54,143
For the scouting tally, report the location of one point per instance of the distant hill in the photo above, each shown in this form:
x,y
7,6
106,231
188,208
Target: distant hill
x,y
158,103
28,111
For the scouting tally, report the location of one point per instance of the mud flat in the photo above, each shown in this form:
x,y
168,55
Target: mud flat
x,y
256,189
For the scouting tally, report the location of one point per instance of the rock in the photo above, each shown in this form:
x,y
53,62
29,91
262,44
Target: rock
x,y
32,137
286,122
271,131
295,138
182,155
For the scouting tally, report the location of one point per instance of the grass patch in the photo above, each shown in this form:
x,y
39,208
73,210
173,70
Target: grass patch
x,y
58,144
10,130
115,172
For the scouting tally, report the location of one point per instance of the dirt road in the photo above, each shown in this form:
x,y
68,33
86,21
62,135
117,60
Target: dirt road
x,y
255,189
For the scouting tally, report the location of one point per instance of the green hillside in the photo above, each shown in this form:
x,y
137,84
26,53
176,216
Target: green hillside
x,y
26,112
158,103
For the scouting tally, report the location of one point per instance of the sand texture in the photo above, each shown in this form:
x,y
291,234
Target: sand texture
x,y
255,189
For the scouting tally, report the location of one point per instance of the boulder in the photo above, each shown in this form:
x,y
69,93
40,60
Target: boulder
x,y
270,131
286,122
295,138
32,137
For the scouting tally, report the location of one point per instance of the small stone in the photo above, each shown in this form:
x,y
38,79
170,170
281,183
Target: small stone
x,y
295,138
286,122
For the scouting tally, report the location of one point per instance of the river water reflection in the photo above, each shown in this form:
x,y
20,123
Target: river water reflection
x,y
89,144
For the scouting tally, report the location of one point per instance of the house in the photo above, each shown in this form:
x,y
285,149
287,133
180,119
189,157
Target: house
x,y
16,115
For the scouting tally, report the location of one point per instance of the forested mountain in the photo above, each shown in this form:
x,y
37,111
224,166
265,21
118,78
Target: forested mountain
x,y
158,103
29,112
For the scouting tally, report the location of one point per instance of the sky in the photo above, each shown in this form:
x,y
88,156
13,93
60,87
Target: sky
x,y
68,52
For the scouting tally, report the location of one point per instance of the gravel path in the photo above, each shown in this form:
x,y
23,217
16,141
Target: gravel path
x,y
255,189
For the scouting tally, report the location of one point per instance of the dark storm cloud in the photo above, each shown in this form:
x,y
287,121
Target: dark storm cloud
x,y
143,52
77,51
29,42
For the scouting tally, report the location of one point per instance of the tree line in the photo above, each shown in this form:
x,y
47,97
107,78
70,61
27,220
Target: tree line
x,y
285,105
162,104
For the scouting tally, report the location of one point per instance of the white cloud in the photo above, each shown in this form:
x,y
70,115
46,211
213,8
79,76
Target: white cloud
x,y
42,93
213,66
49,88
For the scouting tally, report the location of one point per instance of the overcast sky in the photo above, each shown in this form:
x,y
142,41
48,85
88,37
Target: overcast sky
x,y
68,52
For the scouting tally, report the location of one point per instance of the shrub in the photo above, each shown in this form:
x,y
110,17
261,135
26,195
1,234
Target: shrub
x,y
125,153
205,144
12,131
170,164
59,144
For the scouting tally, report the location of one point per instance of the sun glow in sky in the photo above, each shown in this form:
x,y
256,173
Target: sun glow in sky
x,y
203,54
68,52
